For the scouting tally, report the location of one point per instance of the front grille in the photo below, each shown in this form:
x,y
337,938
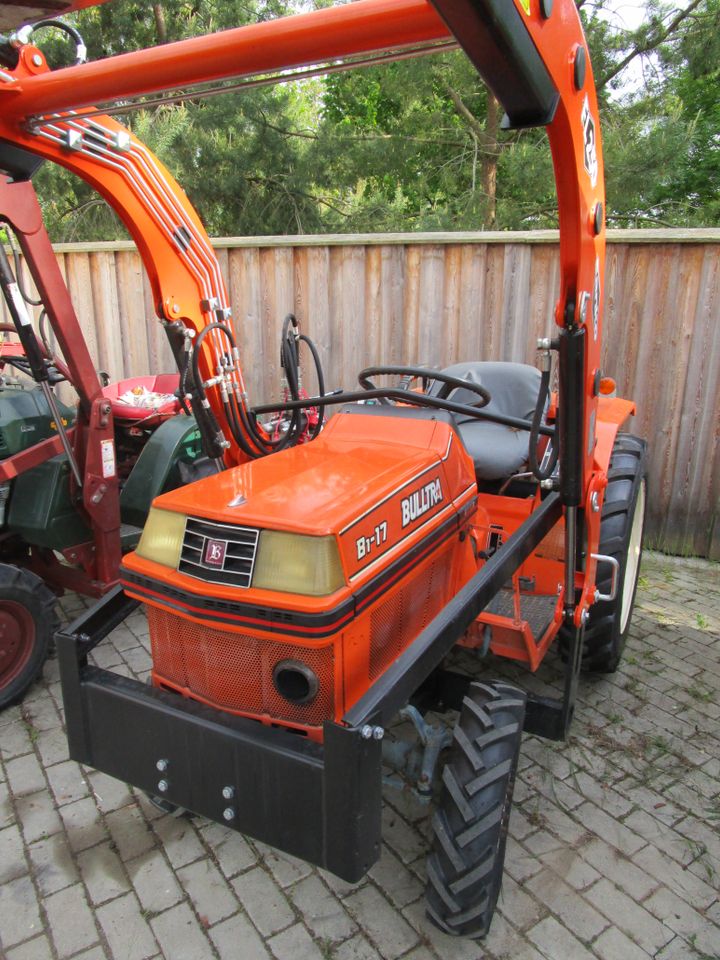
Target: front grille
x,y
234,670
218,552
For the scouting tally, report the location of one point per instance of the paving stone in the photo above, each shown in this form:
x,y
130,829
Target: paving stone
x,y
356,948
53,867
19,915
390,933
179,934
391,875
130,832
518,905
235,931
576,914
52,746
103,874
37,816
630,917
25,775
568,863
36,949
284,868
614,865
401,837
208,891
684,883
232,851
614,945
295,943
110,794
154,882
12,855
126,929
15,740
67,782
264,901
676,914
555,941
83,826
70,920
323,913
179,840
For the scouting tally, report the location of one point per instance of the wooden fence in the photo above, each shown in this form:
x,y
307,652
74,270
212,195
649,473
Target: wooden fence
x,y
438,298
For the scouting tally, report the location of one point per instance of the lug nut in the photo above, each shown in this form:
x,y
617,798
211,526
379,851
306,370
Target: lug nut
x,y
163,786
228,813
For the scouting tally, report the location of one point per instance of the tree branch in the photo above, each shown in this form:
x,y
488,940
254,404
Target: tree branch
x,y
650,43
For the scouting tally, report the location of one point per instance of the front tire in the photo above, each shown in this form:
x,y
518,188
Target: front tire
x,y
621,532
28,621
465,867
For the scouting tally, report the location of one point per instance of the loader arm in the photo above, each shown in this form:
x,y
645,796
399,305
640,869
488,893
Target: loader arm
x,y
532,54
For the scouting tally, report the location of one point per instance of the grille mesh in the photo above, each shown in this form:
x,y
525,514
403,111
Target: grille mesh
x,y
399,619
234,670
236,547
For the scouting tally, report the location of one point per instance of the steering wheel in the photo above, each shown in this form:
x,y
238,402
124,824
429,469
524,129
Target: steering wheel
x,y
449,384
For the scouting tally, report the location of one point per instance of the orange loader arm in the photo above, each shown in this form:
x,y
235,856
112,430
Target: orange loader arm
x,y
533,55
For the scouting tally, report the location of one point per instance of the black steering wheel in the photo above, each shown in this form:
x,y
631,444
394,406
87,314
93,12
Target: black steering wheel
x,y
449,384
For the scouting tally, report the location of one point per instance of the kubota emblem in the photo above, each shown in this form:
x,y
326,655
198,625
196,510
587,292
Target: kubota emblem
x,y
214,553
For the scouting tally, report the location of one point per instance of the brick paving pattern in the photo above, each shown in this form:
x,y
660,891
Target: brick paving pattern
x,y
614,849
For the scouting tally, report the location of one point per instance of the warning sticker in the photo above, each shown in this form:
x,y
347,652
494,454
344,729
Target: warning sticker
x,y
525,4
590,157
108,458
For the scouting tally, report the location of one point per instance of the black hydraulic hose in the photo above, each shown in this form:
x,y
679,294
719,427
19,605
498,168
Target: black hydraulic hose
x,y
75,35
321,384
18,275
535,432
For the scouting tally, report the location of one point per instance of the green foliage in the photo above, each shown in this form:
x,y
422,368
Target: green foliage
x,y
413,145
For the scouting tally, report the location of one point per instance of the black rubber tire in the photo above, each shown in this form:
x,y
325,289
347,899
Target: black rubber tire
x,y
27,602
604,637
465,866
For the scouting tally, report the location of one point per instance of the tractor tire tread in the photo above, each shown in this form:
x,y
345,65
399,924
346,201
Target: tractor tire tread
x,y
470,827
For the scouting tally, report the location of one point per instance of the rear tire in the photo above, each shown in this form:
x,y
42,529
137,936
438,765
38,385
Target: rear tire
x,y
465,867
28,621
621,530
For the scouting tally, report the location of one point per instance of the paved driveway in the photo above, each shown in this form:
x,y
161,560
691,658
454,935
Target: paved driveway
x,y
614,849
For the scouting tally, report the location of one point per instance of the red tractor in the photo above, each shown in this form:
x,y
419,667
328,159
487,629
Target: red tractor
x,y
302,594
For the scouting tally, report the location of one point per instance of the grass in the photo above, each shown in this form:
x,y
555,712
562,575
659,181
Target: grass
x,y
701,621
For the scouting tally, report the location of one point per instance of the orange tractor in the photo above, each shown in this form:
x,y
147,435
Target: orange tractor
x,y
303,593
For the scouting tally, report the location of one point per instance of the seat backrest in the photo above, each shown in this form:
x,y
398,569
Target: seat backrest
x,y
513,387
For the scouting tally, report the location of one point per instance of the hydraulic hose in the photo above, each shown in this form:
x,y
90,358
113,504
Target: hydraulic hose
x,y
543,395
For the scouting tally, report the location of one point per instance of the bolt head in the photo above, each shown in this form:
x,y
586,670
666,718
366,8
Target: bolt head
x,y
228,814
585,616
162,765
378,733
366,732
228,793
37,60
163,786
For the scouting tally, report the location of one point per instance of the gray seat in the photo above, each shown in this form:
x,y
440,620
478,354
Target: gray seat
x,y
497,451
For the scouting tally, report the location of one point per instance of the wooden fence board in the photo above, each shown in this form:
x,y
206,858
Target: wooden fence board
x,y
441,298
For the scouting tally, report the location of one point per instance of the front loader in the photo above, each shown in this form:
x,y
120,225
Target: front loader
x,y
309,588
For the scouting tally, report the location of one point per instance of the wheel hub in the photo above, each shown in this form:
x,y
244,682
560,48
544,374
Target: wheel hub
x,y
17,638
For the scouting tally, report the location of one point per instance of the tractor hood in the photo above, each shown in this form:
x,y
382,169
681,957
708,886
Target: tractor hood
x,y
371,482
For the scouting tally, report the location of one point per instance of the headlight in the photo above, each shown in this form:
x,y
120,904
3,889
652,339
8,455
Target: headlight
x,y
295,563
162,537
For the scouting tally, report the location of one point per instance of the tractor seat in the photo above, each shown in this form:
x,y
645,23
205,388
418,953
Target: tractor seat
x,y
497,451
